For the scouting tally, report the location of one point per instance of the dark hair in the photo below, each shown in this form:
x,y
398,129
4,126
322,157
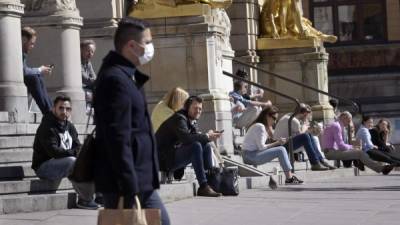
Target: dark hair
x,y
267,111
242,73
237,85
190,101
383,120
304,108
87,42
334,103
129,28
28,32
61,98
365,119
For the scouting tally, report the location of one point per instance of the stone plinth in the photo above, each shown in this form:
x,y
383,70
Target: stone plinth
x,y
307,65
58,43
13,95
191,52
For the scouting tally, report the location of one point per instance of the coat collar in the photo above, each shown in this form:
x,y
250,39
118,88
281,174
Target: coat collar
x,y
115,59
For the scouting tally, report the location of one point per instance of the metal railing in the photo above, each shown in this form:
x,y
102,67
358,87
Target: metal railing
x,y
348,101
296,110
356,108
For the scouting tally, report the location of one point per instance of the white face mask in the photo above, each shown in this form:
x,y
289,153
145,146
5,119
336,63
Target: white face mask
x,y
148,54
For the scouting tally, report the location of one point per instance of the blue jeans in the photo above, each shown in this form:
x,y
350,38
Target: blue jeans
x,y
267,155
149,200
305,140
35,86
56,169
199,155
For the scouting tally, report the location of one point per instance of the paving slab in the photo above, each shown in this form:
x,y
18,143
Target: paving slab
x,y
359,200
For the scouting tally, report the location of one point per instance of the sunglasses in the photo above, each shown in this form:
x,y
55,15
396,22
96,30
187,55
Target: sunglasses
x,y
273,117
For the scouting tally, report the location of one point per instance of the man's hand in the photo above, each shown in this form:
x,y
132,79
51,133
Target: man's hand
x,y
281,141
267,103
213,136
45,70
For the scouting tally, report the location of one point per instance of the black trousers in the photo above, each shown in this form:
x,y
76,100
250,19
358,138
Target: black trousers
x,y
149,199
382,156
35,86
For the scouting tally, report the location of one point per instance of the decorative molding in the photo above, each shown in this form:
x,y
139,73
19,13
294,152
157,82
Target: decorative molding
x,y
14,8
60,20
50,7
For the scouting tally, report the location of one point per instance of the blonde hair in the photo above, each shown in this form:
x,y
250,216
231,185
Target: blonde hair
x,y
175,98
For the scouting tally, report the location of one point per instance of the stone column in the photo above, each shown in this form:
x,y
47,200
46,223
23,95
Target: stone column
x,y
191,52
57,24
13,95
307,65
244,15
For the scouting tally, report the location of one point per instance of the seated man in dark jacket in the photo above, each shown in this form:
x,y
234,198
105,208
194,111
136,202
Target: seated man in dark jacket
x,y
55,149
179,144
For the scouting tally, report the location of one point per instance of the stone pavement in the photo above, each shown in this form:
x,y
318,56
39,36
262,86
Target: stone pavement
x,y
365,200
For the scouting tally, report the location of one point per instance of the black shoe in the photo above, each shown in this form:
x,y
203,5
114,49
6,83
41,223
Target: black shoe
x,y
99,199
293,181
318,167
87,204
359,165
386,169
326,164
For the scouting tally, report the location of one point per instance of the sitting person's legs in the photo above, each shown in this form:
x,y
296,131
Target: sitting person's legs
x,y
35,86
56,169
247,117
356,155
382,157
267,155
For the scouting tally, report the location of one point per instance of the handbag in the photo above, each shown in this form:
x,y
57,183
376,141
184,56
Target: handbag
x,y
224,180
135,216
83,168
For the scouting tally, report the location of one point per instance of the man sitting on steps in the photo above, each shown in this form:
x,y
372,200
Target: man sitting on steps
x,y
55,148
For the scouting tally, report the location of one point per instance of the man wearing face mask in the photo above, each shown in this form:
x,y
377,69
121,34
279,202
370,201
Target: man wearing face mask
x,y
126,162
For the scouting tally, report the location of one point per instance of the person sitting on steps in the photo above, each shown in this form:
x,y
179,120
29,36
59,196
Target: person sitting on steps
x,y
257,152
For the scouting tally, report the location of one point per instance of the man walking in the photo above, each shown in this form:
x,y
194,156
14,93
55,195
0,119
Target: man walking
x,y
126,162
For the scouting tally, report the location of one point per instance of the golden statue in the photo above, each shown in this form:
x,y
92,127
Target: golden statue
x,y
284,19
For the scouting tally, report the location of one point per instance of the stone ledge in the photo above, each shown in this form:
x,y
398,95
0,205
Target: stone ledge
x,y
14,8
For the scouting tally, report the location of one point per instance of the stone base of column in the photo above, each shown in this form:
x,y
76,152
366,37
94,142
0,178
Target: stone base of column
x,y
305,65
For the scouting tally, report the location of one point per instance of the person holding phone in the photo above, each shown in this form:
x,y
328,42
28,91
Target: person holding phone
x,y
33,77
257,152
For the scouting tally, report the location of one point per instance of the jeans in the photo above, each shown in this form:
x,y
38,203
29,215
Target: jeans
x,y
307,141
381,156
148,200
333,154
35,86
56,169
199,155
267,155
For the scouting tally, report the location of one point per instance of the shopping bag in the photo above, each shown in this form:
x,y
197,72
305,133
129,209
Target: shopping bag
x,y
83,168
135,216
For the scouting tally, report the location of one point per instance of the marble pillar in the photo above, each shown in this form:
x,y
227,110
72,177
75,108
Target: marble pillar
x,y
307,65
191,52
58,24
13,94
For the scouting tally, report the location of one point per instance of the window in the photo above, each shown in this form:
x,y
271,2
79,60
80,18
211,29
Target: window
x,y
352,21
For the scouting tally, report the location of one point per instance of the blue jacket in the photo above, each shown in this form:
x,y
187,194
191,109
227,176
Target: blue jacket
x,y
126,157
29,71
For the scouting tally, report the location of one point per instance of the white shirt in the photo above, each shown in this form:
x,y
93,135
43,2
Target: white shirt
x,y
282,127
255,138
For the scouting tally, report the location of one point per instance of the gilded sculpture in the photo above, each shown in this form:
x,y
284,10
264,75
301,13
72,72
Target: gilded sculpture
x,y
283,19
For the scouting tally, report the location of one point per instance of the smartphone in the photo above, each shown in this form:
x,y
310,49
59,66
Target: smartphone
x,y
51,66
221,131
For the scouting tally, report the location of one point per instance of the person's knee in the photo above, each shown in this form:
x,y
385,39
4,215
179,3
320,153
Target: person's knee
x,y
197,147
70,161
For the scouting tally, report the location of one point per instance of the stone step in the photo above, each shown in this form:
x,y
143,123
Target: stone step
x,y
34,185
15,155
16,171
36,203
30,128
22,141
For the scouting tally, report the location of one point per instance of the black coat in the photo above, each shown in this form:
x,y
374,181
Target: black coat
x,y
47,143
377,139
176,130
126,156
